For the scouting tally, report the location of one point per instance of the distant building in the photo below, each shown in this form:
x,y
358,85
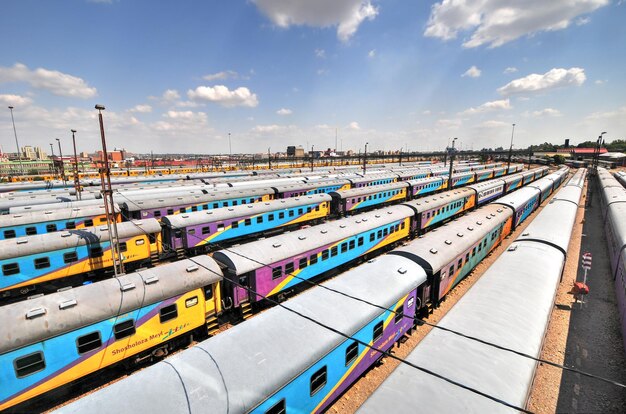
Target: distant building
x,y
293,151
580,153
117,155
33,153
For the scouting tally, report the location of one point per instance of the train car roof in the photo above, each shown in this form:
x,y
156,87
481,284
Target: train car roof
x,y
223,213
47,316
17,219
438,200
54,206
308,185
222,373
371,189
67,239
439,247
254,255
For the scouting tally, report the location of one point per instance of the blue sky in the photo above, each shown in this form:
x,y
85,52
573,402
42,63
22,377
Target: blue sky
x,y
179,76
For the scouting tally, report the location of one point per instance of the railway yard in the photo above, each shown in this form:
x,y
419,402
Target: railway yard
x,y
317,291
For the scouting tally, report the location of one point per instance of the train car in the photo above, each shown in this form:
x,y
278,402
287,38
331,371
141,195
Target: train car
x,y
374,179
310,188
488,190
454,250
513,182
499,172
56,206
51,260
199,230
620,176
322,364
435,209
41,222
406,175
362,198
8,203
482,175
461,179
509,306
142,208
68,335
275,266
424,186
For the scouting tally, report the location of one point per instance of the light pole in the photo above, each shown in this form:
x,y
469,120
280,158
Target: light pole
x,y
230,153
312,148
54,169
451,151
365,159
76,179
61,156
269,158
19,154
508,165
597,155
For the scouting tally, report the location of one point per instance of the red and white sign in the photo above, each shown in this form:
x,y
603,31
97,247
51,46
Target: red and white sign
x,y
586,261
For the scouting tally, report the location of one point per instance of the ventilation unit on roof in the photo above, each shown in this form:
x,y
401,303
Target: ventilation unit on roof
x,y
127,286
460,234
151,279
36,312
66,304
448,242
276,245
525,234
433,250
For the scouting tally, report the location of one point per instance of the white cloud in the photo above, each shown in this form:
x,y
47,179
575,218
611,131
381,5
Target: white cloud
x,y
320,53
284,111
171,95
55,82
273,129
15,100
224,96
496,22
322,72
494,124
449,123
534,83
347,15
547,112
619,113
227,74
600,81
510,69
371,54
144,109
472,72
581,21
354,125
491,106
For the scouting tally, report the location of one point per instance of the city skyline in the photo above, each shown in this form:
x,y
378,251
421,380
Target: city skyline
x,y
273,73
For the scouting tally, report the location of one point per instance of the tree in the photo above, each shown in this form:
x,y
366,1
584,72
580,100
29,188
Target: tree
x,y
558,159
587,144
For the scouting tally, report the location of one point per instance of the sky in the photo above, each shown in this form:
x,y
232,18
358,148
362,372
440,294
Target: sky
x,y
180,76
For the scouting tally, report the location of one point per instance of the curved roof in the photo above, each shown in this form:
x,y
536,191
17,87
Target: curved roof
x,y
225,213
18,219
54,206
354,192
251,256
236,370
308,185
75,308
438,200
66,239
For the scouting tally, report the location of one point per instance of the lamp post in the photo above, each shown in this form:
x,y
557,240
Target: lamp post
x,y
230,153
76,179
109,207
269,158
19,154
365,159
54,169
451,151
508,165
62,167
597,155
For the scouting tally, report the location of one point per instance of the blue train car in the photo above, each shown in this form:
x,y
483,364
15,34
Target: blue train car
x,y
349,201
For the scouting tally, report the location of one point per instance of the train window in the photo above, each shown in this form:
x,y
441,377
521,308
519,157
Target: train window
x,y
300,211
88,342
278,408
124,247
89,223
372,236
248,222
360,241
318,380
289,268
168,313
208,292
270,216
344,247
70,257
206,230
351,244
428,215
9,234
333,251
124,329
51,228
399,314
182,209
308,209
467,256
303,263
378,331
473,252
194,208
259,219
10,269
451,270
291,213
313,259
277,272
31,231
379,234
95,252
234,224
170,211
325,255
352,351
460,263
234,202
29,364
220,227
317,208
281,215
41,262
397,227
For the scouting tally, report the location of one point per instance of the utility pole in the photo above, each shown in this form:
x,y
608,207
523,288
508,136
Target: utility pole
x,y
76,179
508,165
62,165
54,168
365,159
269,158
19,153
312,148
451,151
109,206
230,153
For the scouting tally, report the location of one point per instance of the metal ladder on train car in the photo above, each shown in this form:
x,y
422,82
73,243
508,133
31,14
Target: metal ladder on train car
x,y
180,254
154,259
246,310
212,325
